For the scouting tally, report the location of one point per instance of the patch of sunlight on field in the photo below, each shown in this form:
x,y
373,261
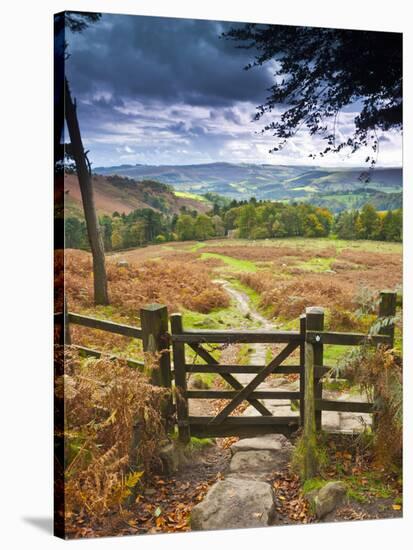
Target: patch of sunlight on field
x,y
233,263
316,265
197,246
315,244
222,318
188,195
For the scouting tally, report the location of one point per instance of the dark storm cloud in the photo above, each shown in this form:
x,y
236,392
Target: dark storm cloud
x,y
172,60
171,91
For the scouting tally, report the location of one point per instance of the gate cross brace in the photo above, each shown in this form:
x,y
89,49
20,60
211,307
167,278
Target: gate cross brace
x,y
255,382
230,379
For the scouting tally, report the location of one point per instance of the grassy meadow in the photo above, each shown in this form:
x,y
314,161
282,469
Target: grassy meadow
x,y
278,278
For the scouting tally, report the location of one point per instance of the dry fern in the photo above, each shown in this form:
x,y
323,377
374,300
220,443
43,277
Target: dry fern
x,y
107,408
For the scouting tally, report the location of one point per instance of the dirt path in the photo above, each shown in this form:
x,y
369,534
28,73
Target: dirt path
x,y
257,356
332,421
259,351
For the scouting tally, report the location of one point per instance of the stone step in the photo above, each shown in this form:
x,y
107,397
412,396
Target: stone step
x,y
258,464
268,442
234,504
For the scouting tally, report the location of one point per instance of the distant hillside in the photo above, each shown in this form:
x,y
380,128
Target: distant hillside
x,y
268,181
121,194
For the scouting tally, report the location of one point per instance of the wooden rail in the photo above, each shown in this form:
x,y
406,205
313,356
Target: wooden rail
x,y
241,426
230,394
153,333
250,369
95,353
345,338
343,406
108,326
237,337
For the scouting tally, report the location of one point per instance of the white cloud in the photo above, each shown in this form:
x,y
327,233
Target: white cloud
x,y
151,132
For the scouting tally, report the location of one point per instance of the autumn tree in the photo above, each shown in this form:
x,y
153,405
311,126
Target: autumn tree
x,y
246,220
392,225
185,227
203,227
368,223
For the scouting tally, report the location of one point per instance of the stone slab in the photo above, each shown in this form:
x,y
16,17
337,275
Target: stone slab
x,y
234,503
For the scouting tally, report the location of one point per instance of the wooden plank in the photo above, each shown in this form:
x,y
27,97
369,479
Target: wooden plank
x,y
249,388
108,326
230,394
178,351
344,338
240,337
246,420
224,430
243,426
251,369
238,369
229,379
343,406
95,353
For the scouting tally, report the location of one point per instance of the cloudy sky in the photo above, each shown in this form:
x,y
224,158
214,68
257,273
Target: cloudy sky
x,y
171,91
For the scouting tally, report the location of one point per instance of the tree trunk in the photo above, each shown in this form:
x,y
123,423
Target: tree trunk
x,y
86,189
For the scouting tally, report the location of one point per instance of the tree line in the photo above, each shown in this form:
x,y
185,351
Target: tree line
x,y
244,219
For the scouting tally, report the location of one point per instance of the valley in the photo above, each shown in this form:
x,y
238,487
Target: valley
x,y
334,188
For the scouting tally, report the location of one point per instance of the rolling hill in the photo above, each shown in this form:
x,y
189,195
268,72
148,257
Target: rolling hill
x,y
338,188
114,193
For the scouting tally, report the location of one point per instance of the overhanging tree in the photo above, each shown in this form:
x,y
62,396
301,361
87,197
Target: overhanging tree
x,y
318,72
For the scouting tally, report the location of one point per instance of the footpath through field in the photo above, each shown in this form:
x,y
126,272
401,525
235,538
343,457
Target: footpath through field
x,y
332,421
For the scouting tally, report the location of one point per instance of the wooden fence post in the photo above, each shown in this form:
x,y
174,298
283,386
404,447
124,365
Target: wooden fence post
x,y
64,332
309,432
180,380
302,369
66,327
315,322
387,308
154,323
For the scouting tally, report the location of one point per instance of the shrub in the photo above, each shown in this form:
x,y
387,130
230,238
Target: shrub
x,y
379,372
176,284
342,319
104,400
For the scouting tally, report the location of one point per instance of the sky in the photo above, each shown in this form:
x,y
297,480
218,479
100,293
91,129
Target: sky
x,y
154,90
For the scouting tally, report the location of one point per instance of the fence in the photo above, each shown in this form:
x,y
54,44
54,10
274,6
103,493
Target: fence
x,y
310,340
153,333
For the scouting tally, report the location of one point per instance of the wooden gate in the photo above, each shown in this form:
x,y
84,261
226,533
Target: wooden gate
x,y
311,334
223,424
